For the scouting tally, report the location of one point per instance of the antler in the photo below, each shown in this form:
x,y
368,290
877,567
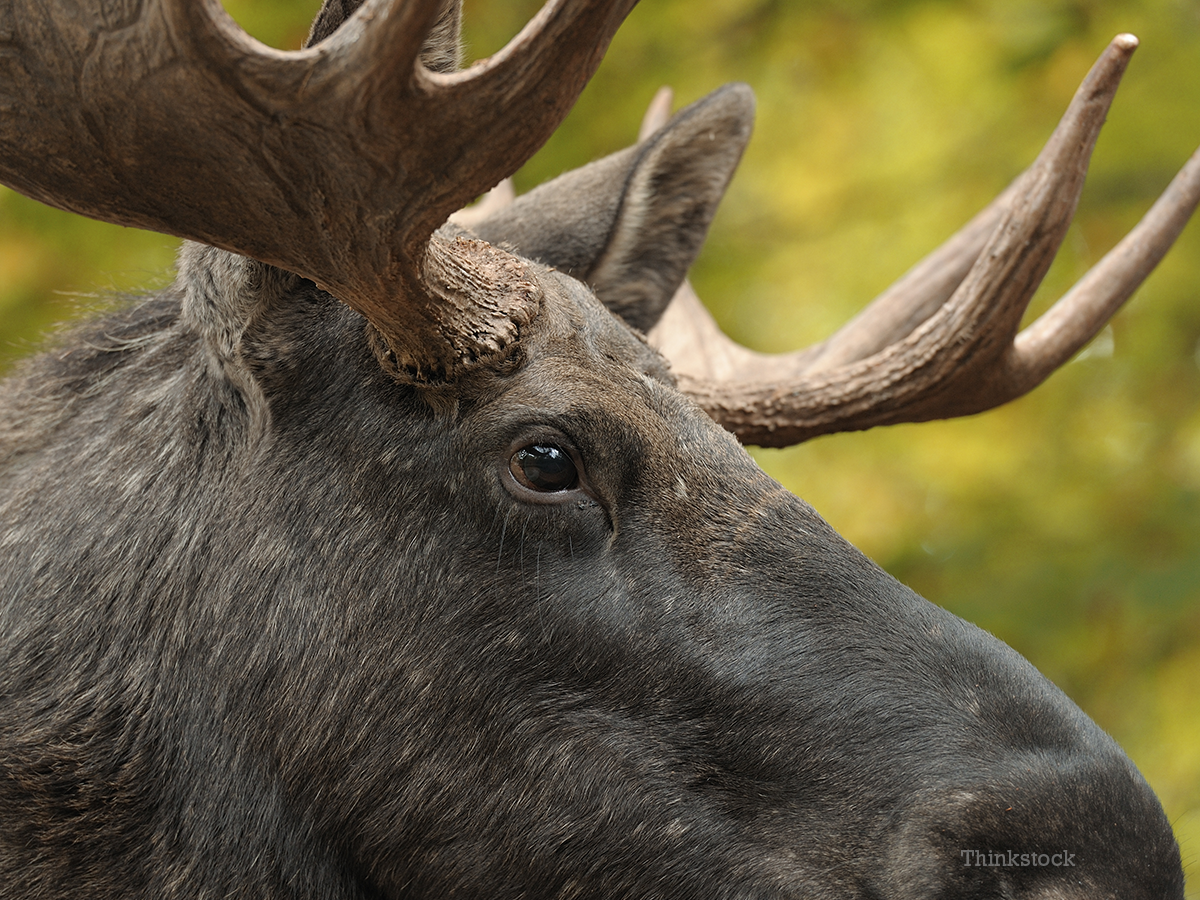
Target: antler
x,y
943,341
336,162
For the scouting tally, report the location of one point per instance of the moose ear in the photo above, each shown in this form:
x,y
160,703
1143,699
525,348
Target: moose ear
x,y
443,48
630,225
330,18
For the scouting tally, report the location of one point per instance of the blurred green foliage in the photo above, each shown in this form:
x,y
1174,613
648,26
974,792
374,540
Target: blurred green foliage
x,y
1067,523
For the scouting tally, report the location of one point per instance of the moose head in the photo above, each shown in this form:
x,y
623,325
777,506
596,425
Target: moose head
x,y
387,556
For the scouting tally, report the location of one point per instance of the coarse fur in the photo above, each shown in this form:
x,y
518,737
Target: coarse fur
x,y
274,624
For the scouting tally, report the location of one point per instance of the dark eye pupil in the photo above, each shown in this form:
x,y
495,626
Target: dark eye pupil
x,y
544,468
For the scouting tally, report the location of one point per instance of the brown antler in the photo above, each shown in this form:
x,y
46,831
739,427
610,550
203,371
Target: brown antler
x,y
943,341
336,162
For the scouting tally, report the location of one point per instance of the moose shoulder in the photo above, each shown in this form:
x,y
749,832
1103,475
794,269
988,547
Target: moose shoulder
x,y
383,555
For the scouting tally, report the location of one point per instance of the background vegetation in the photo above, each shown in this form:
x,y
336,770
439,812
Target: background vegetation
x,y
1067,523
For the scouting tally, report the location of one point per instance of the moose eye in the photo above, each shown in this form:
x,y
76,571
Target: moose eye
x,y
544,467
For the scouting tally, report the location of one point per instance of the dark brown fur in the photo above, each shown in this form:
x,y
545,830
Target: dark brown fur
x,y
273,624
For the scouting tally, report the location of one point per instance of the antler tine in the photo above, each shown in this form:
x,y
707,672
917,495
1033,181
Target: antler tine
x,y
688,336
171,118
1081,312
915,296
546,66
964,357
658,113
697,348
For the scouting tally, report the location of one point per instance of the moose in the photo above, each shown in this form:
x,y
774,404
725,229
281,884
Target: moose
x,y
398,551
